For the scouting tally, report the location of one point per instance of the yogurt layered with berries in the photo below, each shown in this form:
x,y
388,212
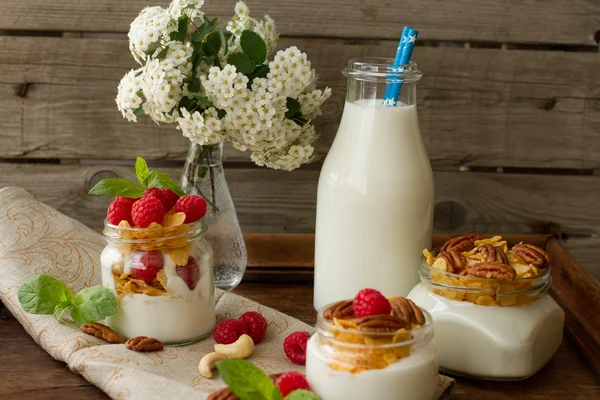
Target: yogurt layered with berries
x,y
160,267
373,347
492,315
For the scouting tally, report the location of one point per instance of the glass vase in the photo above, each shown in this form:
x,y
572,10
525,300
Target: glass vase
x,y
203,175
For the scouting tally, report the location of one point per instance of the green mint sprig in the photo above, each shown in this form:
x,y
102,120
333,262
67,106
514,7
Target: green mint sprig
x,y
146,177
248,382
44,294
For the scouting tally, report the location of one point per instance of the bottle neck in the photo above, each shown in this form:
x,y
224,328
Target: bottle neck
x,y
205,156
360,90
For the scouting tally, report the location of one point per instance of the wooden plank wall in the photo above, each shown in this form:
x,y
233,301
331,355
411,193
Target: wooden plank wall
x,y
509,108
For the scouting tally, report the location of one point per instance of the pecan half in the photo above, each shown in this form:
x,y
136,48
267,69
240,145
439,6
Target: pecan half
x,y
462,243
144,343
341,309
407,310
494,270
454,259
103,332
531,254
493,254
381,323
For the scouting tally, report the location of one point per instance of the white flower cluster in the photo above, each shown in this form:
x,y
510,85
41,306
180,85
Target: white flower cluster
x,y
241,20
216,103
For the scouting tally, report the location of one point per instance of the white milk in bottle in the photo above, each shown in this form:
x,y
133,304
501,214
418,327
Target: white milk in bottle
x,y
376,195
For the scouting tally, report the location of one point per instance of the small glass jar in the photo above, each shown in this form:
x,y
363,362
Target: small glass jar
x,y
350,364
163,280
491,329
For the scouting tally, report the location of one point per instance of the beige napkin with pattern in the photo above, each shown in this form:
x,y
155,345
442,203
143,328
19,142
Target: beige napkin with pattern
x,y
36,239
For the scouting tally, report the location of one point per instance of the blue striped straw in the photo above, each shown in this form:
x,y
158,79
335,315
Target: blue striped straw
x,y
403,39
391,98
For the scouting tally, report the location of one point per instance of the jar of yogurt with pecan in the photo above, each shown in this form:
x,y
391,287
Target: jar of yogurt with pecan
x,y
492,313
162,276
383,357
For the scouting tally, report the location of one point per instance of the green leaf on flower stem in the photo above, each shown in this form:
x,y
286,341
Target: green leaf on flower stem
x,y
247,381
141,171
182,28
194,85
293,107
162,54
93,304
138,111
158,179
186,103
203,30
301,394
261,71
212,45
174,36
253,46
223,41
241,62
221,113
117,187
42,294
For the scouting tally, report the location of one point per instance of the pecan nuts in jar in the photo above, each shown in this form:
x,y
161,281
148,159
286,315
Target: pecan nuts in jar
x,y
462,243
102,332
381,323
341,309
531,254
455,261
407,310
144,343
492,254
502,272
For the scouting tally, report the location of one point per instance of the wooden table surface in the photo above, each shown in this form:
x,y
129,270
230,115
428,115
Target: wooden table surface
x,y
28,372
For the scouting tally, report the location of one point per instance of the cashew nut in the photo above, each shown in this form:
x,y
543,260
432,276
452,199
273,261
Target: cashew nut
x,y
241,348
209,362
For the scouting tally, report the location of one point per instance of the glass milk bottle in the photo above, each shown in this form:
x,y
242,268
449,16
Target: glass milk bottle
x,y
376,196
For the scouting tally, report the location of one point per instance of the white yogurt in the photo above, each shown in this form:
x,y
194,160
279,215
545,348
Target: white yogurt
x,y
180,316
374,204
493,342
411,378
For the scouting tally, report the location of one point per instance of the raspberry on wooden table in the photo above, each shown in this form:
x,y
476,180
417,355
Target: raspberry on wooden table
x,y
146,211
119,210
371,302
294,347
291,381
256,325
228,331
190,273
194,207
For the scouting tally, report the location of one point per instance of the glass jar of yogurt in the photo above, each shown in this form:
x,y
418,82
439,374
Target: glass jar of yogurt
x,y
163,279
489,328
345,362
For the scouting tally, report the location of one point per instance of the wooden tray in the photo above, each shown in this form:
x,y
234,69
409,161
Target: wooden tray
x,y
279,275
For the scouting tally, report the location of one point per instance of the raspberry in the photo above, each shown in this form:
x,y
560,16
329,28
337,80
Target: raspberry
x,y
291,381
256,325
146,266
146,211
190,273
228,331
158,194
194,207
371,302
170,198
294,347
127,200
119,210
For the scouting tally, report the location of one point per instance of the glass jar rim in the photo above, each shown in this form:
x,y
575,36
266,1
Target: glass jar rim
x,y
381,69
198,229
324,326
541,282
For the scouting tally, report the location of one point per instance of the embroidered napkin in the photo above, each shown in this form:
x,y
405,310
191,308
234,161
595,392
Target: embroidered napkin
x,y
36,239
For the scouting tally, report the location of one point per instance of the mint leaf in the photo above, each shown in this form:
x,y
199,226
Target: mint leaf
x,y
42,294
302,394
241,62
141,170
158,179
254,47
93,304
117,187
60,310
293,107
247,381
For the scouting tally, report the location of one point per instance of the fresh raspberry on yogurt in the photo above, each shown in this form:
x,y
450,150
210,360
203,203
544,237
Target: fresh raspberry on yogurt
x,y
147,265
371,302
